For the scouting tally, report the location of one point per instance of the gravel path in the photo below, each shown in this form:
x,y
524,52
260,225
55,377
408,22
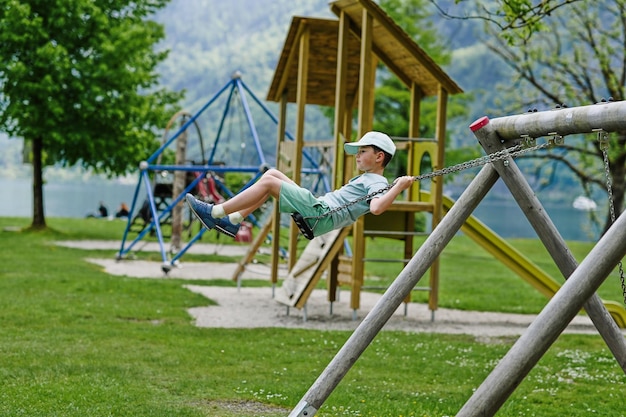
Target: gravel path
x,y
250,307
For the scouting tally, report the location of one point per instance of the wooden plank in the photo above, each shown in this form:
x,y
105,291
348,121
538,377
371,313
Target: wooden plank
x,y
280,140
305,274
401,205
413,159
344,279
437,189
366,78
252,250
344,271
341,100
318,143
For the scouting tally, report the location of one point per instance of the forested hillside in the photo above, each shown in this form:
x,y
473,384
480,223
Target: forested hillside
x,y
210,39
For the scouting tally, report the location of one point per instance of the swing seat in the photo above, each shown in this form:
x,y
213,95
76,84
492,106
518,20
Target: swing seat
x,y
304,227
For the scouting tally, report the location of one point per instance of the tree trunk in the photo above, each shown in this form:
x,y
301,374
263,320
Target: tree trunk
x,y
39,219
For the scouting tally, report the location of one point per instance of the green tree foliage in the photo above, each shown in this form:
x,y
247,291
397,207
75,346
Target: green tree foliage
x,y
524,17
578,59
78,81
392,103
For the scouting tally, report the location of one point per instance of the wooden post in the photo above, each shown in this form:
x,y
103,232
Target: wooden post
x,y
396,293
414,133
366,77
343,121
301,96
366,105
413,169
180,180
280,140
437,191
340,100
564,305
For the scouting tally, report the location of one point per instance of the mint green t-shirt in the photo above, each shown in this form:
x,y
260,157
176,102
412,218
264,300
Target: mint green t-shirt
x,y
357,187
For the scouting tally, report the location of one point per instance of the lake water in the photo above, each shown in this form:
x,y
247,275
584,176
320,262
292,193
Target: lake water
x,y
75,199
507,219
64,199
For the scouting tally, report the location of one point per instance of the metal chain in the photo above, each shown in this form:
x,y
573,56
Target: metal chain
x,y
603,138
512,152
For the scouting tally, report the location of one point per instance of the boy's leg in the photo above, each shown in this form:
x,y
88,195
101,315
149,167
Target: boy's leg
x,y
253,197
240,206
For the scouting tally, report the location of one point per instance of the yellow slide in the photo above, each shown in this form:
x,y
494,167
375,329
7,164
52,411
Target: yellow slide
x,y
521,265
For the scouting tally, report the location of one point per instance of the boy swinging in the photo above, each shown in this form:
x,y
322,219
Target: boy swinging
x,y
373,152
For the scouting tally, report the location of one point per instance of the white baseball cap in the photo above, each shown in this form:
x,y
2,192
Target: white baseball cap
x,y
378,139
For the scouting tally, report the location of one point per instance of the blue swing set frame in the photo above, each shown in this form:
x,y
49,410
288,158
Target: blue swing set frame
x,y
235,85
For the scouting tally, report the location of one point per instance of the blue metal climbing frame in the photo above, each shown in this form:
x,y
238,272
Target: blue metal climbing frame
x,y
156,212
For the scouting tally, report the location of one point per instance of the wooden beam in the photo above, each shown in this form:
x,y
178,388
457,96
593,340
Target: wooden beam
x,y
340,99
292,55
414,131
280,140
437,189
610,116
366,90
303,76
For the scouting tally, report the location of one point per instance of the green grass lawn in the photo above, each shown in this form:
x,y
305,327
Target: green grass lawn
x,y
75,341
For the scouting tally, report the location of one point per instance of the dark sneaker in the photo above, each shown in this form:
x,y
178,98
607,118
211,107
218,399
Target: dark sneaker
x,y
202,211
225,226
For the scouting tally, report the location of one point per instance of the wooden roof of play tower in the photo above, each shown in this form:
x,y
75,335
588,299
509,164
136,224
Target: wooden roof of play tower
x,y
390,44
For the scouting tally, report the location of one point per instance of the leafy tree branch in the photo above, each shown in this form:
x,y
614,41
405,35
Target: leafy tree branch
x,y
521,16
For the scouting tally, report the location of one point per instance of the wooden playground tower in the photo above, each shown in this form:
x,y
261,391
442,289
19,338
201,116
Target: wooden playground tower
x,y
333,63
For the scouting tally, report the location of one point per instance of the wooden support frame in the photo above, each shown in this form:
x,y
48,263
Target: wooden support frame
x,y
578,291
527,351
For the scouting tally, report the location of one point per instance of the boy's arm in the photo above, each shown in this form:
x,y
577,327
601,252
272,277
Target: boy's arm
x,y
379,205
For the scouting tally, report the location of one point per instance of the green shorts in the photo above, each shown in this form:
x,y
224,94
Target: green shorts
x,y
295,199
